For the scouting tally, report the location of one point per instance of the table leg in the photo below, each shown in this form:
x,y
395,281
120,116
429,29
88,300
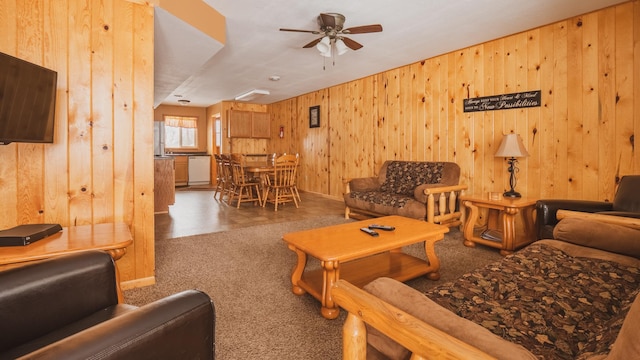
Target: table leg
x,y
330,274
432,258
470,223
298,269
509,230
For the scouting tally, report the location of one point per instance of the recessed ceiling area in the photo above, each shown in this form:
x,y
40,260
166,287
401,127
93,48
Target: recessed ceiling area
x,y
206,71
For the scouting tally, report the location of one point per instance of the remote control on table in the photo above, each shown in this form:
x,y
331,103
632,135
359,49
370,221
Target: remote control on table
x,y
382,227
369,231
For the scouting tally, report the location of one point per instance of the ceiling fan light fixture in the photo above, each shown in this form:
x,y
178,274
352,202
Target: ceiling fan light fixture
x,y
324,46
341,48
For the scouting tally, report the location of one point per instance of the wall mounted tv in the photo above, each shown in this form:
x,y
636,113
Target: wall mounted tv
x,y
27,101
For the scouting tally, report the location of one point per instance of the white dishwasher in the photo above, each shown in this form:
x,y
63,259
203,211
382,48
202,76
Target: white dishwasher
x,y
199,169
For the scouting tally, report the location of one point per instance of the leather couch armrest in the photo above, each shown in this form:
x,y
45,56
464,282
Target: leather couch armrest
x,y
41,297
546,211
180,326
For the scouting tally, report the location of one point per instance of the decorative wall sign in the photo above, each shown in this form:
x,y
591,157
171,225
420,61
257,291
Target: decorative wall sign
x,y
502,102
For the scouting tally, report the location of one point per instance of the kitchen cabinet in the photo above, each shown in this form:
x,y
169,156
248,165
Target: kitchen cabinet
x,y
164,184
249,124
181,170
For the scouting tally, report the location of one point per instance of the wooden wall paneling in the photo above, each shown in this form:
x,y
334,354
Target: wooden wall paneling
x,y
560,109
392,115
575,91
339,108
123,119
499,63
464,139
521,123
486,138
534,167
382,141
30,157
449,118
143,166
80,131
427,109
607,73
635,113
378,156
102,61
56,164
417,105
545,135
591,106
477,120
627,119
434,99
406,115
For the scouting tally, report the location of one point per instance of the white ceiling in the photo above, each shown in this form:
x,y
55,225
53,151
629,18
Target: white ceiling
x,y
200,69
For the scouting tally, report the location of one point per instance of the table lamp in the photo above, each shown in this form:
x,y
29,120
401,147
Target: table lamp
x,y
512,147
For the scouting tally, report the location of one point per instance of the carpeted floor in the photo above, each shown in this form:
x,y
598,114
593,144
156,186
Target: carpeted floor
x,y
247,274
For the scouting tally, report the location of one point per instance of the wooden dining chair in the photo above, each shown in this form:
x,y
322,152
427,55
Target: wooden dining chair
x,y
279,188
247,189
220,177
227,177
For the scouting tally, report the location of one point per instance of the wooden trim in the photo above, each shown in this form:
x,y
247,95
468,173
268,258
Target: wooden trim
x,y
131,284
423,340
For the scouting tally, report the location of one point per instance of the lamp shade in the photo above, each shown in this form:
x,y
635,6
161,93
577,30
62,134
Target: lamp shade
x,y
324,46
341,47
512,146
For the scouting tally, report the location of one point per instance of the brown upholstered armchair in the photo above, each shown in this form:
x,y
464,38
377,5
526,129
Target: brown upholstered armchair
x,y
625,203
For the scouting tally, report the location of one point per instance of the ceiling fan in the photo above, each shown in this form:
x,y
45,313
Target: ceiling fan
x,y
333,32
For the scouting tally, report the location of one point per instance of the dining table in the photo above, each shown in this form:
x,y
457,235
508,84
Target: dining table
x,y
262,169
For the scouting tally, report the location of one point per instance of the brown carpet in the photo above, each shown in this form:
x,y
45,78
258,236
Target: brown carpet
x,y
247,274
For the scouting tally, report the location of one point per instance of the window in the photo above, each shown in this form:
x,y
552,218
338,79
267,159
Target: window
x,y
181,132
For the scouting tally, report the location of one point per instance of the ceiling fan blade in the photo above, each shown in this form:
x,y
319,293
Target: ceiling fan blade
x,y
353,45
328,20
304,31
312,44
363,29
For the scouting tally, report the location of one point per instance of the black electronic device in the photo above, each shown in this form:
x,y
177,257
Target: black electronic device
x,y
369,231
26,234
27,101
382,227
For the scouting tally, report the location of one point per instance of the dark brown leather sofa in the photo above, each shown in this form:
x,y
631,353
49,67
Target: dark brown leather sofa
x,y
67,308
625,203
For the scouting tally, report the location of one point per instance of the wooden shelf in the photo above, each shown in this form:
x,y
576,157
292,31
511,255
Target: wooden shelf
x,y
395,265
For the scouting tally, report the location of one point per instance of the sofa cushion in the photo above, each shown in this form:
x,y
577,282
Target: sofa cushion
x,y
555,305
609,237
385,203
420,306
627,345
402,177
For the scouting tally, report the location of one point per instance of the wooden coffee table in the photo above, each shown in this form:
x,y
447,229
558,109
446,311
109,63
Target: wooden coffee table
x,y
347,253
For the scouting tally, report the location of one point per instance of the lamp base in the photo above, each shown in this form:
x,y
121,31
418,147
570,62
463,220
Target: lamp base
x,y
512,194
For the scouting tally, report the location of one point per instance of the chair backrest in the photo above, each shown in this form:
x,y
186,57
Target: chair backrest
x,y
285,171
226,167
628,195
238,163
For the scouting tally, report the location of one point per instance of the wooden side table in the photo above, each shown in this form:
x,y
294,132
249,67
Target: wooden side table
x,y
501,221
113,238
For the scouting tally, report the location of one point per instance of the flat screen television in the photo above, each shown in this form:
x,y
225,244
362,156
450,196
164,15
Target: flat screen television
x,y
27,101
